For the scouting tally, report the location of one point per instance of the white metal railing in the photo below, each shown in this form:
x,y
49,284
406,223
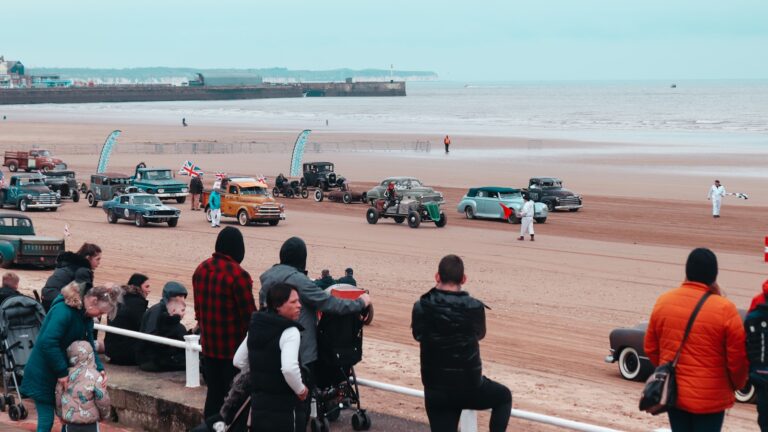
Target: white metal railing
x,y
468,422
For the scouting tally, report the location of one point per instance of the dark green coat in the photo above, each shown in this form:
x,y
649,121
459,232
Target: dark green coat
x,y
48,361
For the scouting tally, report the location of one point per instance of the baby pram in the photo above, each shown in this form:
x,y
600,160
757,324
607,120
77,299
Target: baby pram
x,y
340,348
20,320
234,414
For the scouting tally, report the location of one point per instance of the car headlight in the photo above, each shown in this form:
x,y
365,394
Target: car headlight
x,y
185,190
58,194
160,190
29,197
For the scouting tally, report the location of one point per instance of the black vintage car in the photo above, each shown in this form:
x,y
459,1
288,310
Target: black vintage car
x,y
550,191
627,350
105,186
321,175
64,183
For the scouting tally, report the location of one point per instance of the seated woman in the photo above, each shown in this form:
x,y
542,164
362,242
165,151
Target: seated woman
x,y
277,403
164,320
120,349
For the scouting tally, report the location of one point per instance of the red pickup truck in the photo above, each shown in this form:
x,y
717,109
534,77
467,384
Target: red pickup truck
x,y
32,160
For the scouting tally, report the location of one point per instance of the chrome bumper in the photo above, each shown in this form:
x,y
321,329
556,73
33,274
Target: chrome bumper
x,y
170,194
568,207
41,205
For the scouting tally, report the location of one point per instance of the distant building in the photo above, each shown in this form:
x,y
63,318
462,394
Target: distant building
x,y
11,73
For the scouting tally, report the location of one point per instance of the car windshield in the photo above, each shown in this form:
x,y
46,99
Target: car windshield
x,y
146,200
510,195
61,175
157,175
44,153
324,168
253,190
551,183
31,181
118,181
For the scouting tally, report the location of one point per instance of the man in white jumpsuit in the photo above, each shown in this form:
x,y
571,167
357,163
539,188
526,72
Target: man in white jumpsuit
x,y
526,215
716,194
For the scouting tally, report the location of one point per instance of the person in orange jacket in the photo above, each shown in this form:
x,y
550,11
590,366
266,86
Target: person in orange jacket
x,y
447,142
760,298
713,363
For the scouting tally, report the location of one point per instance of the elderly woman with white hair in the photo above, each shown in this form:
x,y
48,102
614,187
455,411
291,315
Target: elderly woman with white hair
x,y
70,319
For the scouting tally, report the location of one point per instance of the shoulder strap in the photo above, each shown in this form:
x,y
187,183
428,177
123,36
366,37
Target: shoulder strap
x,y
690,324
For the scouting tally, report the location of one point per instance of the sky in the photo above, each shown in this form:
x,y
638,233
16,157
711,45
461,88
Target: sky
x,y
461,41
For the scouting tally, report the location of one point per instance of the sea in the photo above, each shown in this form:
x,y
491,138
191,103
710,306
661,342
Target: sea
x,y
727,112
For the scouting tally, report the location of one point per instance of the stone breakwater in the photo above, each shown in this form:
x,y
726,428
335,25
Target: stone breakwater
x,y
150,93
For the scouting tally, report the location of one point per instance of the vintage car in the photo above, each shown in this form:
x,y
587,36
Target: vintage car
x,y
33,160
141,208
494,202
345,194
104,187
247,200
64,183
407,188
550,191
159,182
627,349
415,211
289,188
28,191
320,175
20,245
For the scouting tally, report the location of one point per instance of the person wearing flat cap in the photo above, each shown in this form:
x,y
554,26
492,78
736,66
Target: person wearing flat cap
x,y
223,307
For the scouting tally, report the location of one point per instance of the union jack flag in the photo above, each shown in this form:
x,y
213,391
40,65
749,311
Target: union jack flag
x,y
220,175
261,178
190,169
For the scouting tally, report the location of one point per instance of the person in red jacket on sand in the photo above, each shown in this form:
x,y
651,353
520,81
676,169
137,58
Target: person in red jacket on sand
x,y
760,298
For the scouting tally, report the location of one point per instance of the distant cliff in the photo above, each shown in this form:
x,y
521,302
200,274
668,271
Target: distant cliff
x,y
167,75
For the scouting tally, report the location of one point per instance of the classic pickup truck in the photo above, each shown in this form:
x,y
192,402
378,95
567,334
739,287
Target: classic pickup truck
x,y
159,182
550,191
246,199
32,160
28,191
20,245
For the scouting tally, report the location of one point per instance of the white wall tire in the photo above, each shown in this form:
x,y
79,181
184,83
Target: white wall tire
x,y
629,364
746,394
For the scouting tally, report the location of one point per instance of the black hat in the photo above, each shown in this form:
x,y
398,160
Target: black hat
x,y
294,253
701,266
230,243
173,289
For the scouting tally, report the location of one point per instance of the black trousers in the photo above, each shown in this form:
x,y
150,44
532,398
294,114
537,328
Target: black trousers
x,y
444,406
684,421
218,374
762,407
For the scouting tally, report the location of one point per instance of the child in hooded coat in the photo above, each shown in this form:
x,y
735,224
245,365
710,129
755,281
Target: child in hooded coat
x,y
84,402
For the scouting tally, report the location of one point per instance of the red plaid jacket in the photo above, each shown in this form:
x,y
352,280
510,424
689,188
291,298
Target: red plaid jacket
x,y
223,305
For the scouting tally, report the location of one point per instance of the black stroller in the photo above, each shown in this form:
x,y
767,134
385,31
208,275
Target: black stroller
x,y
288,188
234,414
340,348
20,320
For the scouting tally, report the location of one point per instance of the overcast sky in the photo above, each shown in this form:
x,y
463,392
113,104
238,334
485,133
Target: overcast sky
x,y
462,41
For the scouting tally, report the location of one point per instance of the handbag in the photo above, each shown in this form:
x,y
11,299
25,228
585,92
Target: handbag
x,y
660,391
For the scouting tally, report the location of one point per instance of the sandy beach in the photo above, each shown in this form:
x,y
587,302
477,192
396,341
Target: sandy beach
x,y
553,302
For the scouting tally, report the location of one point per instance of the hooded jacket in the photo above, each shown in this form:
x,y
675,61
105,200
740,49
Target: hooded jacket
x,y
449,326
120,349
760,298
65,323
293,258
85,399
69,267
713,363
151,322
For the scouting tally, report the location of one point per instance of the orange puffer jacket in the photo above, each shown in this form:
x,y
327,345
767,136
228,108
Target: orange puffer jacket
x,y
714,361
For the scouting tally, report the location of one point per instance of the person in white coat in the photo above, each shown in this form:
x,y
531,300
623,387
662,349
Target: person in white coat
x,y
526,218
716,194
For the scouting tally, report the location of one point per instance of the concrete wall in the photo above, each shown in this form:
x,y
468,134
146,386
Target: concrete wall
x,y
169,93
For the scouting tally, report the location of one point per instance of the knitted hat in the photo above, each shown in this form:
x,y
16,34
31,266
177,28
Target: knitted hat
x,y
294,253
173,289
701,266
230,243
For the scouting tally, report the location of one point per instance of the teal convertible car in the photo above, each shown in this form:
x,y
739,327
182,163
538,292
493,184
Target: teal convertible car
x,y
492,202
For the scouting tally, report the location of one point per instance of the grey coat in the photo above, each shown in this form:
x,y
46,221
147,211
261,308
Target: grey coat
x,y
313,299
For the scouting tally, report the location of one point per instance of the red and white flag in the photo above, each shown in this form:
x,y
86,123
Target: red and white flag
x,y
190,169
67,234
221,175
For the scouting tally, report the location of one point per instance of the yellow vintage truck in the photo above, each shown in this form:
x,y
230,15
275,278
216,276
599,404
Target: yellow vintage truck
x,y
248,200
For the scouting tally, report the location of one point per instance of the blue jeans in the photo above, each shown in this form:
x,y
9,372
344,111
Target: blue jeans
x,y
683,421
44,417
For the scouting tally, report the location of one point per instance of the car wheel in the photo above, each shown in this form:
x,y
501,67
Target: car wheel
x,y
347,198
91,199
469,213
442,221
304,193
318,195
173,222
13,167
111,217
181,200
399,219
372,216
275,192
629,364
541,220
5,263
574,210
208,214
746,394
23,205
414,219
46,168
274,222
242,218
140,221
75,196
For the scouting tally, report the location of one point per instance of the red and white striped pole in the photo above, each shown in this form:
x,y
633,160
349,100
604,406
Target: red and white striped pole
x,y
766,249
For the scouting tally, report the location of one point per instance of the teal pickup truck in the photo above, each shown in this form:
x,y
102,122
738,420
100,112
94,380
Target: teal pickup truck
x,y
20,245
28,191
159,182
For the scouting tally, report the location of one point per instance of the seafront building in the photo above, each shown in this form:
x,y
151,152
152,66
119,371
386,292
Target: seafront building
x,y
12,75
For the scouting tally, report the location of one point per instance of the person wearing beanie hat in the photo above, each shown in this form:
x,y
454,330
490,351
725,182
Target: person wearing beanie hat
x,y
154,322
223,307
121,349
760,298
713,363
292,270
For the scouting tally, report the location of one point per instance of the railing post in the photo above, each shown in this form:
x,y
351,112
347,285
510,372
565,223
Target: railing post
x,y
468,421
193,360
